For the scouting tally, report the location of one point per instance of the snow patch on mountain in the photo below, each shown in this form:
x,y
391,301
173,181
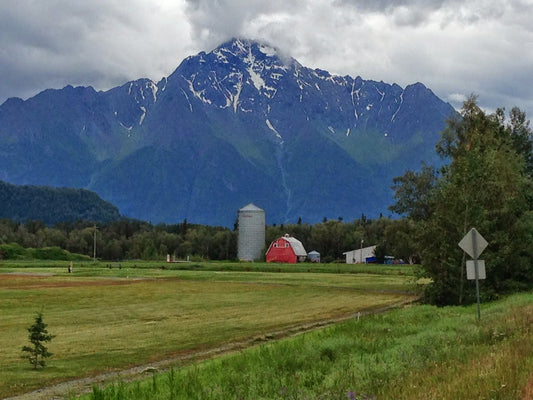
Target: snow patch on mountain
x,y
199,94
398,109
235,98
256,78
143,109
269,124
189,101
221,57
154,89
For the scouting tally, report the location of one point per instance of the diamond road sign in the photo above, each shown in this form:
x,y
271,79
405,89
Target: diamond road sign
x,y
473,243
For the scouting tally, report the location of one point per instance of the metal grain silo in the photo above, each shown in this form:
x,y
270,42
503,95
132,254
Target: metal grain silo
x,y
251,237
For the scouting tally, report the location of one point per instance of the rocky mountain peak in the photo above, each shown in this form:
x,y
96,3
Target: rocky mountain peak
x,y
239,124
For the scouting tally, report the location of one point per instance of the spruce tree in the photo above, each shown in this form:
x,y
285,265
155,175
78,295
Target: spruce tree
x,y
38,335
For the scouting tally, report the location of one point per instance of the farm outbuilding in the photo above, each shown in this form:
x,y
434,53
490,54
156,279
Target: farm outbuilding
x,y
314,256
365,255
286,249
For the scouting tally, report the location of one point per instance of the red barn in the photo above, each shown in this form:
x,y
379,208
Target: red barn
x,y
286,249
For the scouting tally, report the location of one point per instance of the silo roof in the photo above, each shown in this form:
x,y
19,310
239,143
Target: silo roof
x,y
251,207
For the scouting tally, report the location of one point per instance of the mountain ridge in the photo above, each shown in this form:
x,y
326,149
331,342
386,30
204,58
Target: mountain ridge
x,y
232,126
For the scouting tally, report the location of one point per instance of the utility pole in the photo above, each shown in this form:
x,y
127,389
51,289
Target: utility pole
x,y
94,244
361,255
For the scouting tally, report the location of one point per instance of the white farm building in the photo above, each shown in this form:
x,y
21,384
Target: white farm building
x,y
364,255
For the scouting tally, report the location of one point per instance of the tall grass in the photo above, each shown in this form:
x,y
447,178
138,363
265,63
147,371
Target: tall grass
x,y
421,352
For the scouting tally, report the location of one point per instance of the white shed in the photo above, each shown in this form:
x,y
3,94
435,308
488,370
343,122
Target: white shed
x,y
360,255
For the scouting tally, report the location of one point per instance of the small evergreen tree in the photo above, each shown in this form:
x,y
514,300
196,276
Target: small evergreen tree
x,y
38,335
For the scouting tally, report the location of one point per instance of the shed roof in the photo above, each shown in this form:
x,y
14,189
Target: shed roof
x,y
365,249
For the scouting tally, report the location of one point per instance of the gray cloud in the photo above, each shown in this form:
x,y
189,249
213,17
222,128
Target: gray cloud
x,y
454,47
215,21
100,43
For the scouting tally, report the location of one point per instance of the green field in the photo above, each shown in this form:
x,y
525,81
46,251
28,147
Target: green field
x,y
112,316
418,352
258,331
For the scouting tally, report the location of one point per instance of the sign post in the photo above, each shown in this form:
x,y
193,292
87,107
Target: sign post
x,y
474,244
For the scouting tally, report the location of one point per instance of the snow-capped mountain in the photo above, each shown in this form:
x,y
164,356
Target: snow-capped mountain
x,y
242,123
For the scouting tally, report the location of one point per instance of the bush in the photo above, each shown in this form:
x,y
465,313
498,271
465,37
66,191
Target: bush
x,y
49,253
11,251
14,251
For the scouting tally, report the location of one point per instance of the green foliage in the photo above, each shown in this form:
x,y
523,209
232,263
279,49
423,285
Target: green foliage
x,y
53,253
14,251
38,336
487,185
133,239
413,191
399,239
53,205
11,251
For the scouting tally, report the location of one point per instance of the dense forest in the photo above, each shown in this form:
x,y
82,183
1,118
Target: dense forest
x,y
52,205
133,239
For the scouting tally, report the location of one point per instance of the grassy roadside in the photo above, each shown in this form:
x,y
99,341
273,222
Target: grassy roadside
x,y
421,352
111,318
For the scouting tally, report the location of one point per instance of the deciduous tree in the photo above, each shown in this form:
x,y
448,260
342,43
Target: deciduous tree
x,y
485,185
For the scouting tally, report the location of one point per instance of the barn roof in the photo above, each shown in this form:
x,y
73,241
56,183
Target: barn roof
x,y
296,245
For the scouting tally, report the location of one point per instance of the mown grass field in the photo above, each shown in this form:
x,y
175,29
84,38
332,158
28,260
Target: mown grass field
x,y
111,316
419,352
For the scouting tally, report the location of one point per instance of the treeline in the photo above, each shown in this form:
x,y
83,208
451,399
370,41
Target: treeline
x,y
133,239
52,205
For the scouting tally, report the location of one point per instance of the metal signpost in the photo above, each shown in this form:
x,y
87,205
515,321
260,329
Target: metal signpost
x,y
474,244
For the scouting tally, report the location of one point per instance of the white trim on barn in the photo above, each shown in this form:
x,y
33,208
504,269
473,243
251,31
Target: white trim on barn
x,y
359,255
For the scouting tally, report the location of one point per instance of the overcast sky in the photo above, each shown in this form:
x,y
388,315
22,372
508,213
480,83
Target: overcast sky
x,y
455,47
